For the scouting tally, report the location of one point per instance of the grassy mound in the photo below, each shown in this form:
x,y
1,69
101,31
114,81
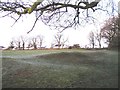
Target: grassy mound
x,y
73,58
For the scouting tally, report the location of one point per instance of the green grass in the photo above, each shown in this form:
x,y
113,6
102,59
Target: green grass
x,y
60,69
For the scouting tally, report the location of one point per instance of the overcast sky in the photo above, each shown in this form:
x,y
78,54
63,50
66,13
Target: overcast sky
x,y
78,36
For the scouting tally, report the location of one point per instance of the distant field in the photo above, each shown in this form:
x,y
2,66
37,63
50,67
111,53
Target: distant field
x,y
60,69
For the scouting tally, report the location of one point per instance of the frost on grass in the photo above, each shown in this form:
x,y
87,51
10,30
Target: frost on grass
x,y
65,69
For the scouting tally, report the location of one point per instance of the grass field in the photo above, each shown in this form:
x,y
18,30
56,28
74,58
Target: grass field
x,y
60,69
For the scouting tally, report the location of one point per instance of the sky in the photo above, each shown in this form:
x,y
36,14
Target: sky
x,y
78,36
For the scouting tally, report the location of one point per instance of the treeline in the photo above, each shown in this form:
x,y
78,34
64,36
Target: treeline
x,y
110,32
37,42
22,42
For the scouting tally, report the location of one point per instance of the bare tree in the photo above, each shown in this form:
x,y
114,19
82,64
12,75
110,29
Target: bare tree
x,y
111,30
60,40
98,37
34,42
40,39
92,39
57,13
23,41
20,42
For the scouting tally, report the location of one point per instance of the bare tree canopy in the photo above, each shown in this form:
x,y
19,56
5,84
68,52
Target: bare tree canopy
x,y
111,31
57,13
